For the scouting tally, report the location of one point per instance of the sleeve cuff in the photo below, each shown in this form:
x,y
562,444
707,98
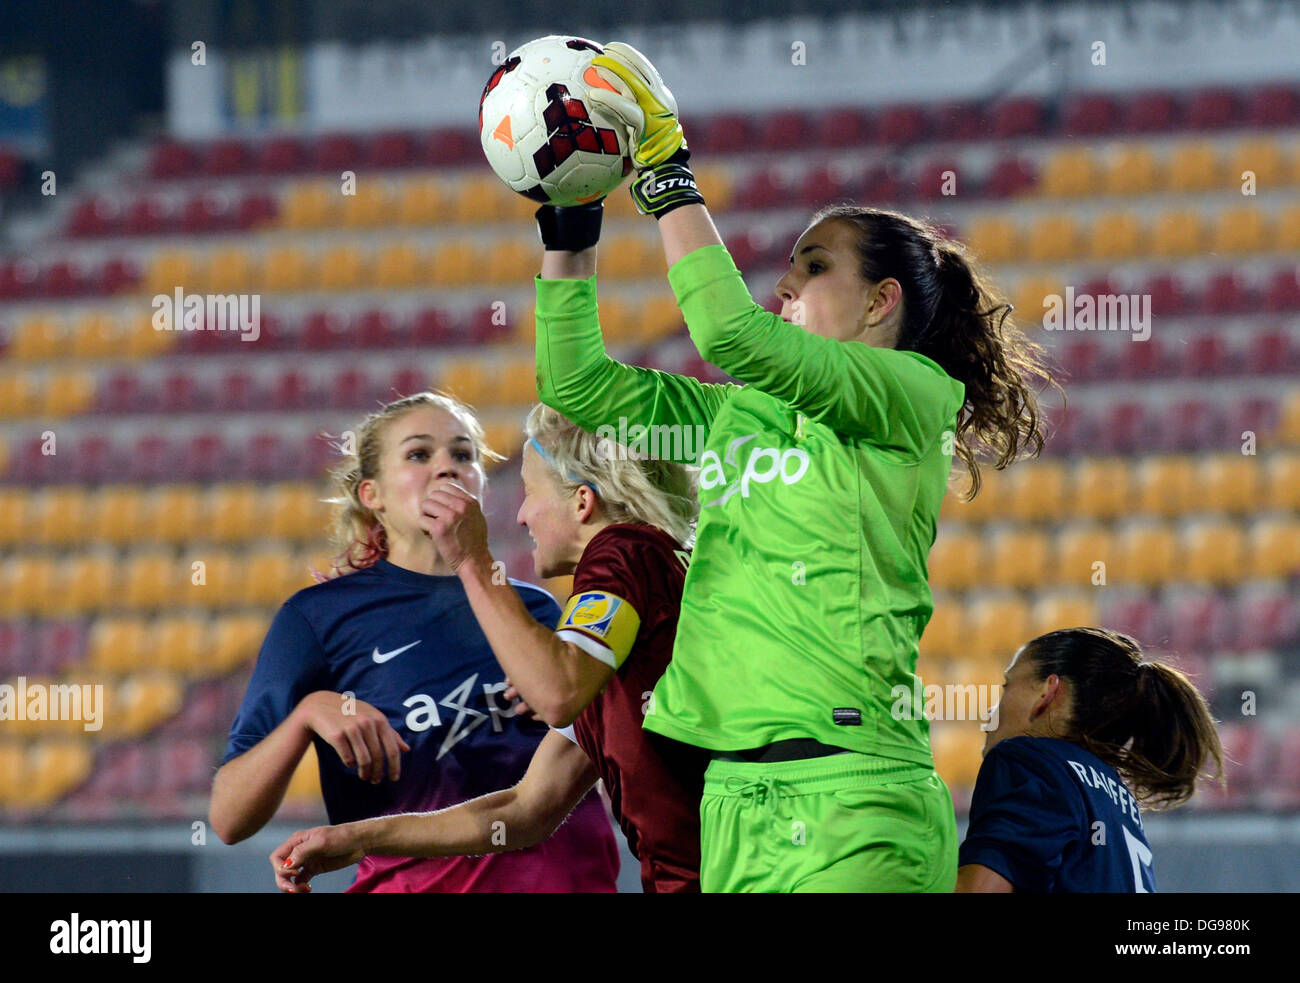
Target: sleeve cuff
x,y
567,732
566,298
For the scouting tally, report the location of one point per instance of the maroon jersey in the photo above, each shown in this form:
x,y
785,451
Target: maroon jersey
x,y
630,580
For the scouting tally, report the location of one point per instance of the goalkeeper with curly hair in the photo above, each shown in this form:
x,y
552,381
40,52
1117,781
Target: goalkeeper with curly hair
x,y
820,486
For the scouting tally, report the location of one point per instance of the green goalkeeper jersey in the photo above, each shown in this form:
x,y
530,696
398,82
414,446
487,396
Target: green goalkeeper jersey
x,y
820,485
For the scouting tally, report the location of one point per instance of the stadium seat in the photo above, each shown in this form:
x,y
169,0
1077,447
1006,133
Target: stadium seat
x,y
286,268
956,747
630,257
1060,610
1230,483
152,580
342,267
510,260
1070,173
1077,550
1195,167
1090,114
30,584
478,200
993,239
944,635
469,379
1115,235
1150,112
1010,177
118,644
1274,547
179,644
1017,117
336,152
95,334
1191,424
175,515
1266,615
1169,295
1133,170
296,511
230,270
1038,491
956,558
147,216
143,702
1018,557
171,269
1147,555
281,155
68,393
1200,620
450,146
421,201
1261,157
350,389
458,263
1213,109
38,337
402,264
1207,356
1274,105
1213,552
998,626
256,210
87,584
387,150
16,505
58,516
1052,238
1178,233
1166,486
310,205
1240,230
234,513
372,206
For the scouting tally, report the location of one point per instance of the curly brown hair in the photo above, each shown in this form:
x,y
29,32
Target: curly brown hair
x,y
953,315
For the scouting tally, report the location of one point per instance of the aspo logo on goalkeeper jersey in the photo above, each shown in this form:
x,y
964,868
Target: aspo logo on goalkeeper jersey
x,y
762,465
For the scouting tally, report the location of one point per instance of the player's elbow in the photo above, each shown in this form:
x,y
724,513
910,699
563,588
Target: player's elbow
x,y
560,709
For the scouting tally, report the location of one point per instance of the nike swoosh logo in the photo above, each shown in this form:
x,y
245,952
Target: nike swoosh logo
x,y
382,657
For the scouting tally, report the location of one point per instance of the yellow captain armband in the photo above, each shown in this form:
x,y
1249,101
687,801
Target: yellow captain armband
x,y
600,617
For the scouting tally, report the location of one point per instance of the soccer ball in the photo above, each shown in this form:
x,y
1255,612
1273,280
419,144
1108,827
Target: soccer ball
x,y
541,134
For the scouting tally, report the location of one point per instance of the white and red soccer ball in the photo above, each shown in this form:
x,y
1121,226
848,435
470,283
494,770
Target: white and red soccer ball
x,y
540,132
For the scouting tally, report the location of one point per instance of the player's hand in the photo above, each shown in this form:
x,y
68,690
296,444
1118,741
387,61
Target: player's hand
x,y
649,113
453,519
362,735
310,852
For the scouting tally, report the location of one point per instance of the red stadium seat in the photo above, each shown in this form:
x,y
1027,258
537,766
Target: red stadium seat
x,y
18,645
206,213
350,389
95,216
292,391
237,391
724,134
1127,427
224,158
1227,293
1283,291
1191,424
282,155
205,457
180,392
337,152
18,279
64,278
406,382
1207,356
1271,352
842,127
1267,618
1275,105
152,458
933,178
170,160
960,122
784,131
1150,112
1169,296
1019,117
1200,622
94,458
147,216
1140,617
391,150
766,189
325,331
825,184
121,392
378,329
1090,114
1142,360
1213,109
1256,414
899,125
255,210
483,327
1086,360
1010,176
450,146
432,327
882,184
119,274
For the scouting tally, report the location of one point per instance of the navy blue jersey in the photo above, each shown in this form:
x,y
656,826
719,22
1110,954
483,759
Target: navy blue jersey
x,y
1053,818
408,644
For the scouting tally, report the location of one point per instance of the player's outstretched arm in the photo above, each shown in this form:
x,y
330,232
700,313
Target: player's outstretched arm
x,y
558,776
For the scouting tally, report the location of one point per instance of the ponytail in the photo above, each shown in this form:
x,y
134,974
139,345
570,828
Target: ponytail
x,y
953,315
1145,719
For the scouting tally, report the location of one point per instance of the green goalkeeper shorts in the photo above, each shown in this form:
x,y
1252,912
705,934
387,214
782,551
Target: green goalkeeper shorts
x,y
844,822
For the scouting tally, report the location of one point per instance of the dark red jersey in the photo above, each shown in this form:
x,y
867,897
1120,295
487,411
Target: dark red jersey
x,y
627,592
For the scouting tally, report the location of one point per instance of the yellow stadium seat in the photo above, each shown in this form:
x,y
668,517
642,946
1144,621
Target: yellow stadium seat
x,y
152,580
118,515
1195,167
715,183
998,625
993,239
295,510
617,321
1231,483
30,581
658,317
230,270
304,786
143,702
20,394
1037,490
956,746
480,199
55,768
372,205
88,582
956,558
13,772
1077,551
59,516
171,269
1018,558
1070,173
1134,170
619,204
1273,548
310,205
341,268
118,645
470,379
422,201
504,437
97,334
985,505
1282,481
140,339
234,513
1178,233
458,264
1287,229
1240,230
1147,554
16,505
945,635
402,264
37,337
1030,299
69,393
629,257
237,640
1166,486
517,382
216,583
1101,488
513,260
174,514
1262,157
286,268
1052,237
1213,552
1055,612
524,326
180,644
1288,430
1116,235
